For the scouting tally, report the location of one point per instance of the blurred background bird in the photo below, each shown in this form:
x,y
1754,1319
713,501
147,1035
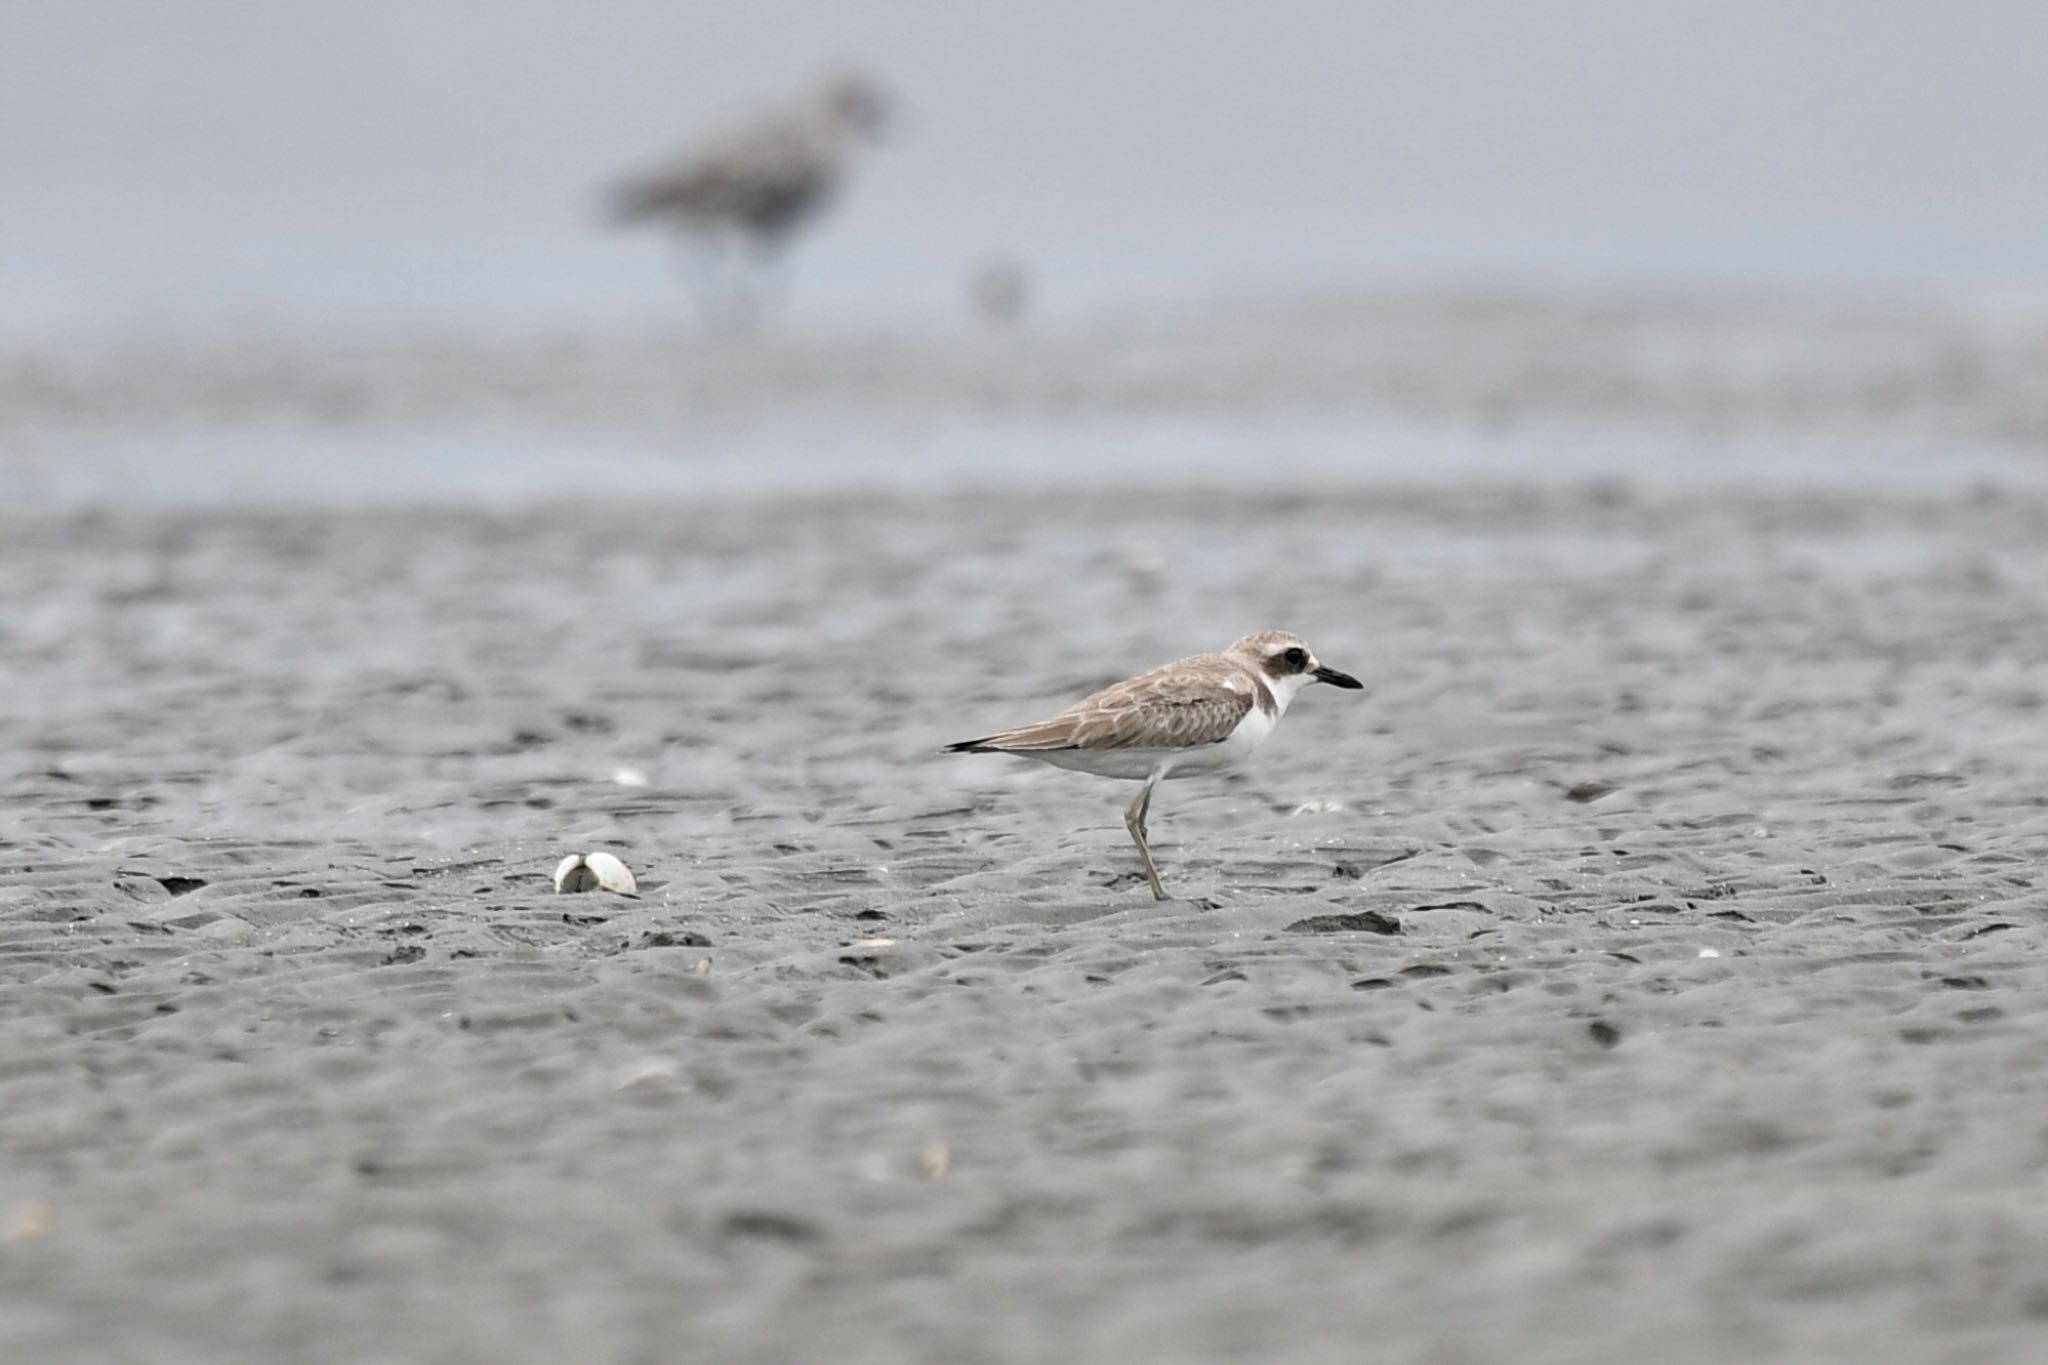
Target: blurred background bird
x,y
737,198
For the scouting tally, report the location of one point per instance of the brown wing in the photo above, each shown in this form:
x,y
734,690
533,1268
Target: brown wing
x,y
1183,704
734,176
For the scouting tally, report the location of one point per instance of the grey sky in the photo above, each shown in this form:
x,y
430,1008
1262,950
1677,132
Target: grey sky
x,y
189,162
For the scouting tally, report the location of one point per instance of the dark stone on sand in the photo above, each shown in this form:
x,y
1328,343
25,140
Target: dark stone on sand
x,y
664,938
771,1225
1365,921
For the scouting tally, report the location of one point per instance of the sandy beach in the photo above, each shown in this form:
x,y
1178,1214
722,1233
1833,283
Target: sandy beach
x,y
1648,965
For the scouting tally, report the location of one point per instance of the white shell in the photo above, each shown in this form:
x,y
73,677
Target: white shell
x,y
594,872
612,874
572,875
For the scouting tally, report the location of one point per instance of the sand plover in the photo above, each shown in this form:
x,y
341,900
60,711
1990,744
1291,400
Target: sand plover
x,y
1199,715
752,187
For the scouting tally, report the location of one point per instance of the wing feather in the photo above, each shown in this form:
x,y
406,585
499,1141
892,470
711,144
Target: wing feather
x,y
1182,705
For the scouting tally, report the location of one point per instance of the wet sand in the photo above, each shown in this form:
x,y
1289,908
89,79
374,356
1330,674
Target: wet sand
x,y
1649,965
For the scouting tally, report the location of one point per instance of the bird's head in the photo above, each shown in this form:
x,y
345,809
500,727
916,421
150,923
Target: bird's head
x,y
1287,663
857,105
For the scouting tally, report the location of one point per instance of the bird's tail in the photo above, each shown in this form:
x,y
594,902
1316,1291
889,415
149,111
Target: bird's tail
x,y
630,201
1047,735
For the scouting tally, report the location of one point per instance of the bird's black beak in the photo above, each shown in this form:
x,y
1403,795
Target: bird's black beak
x,y
1336,679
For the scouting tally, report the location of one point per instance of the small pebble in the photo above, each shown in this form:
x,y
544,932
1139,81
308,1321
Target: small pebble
x,y
648,1075
1318,808
30,1222
1145,560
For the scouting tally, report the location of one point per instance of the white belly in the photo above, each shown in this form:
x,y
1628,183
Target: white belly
x,y
1136,765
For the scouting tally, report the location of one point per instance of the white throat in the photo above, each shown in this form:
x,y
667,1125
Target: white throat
x,y
1285,689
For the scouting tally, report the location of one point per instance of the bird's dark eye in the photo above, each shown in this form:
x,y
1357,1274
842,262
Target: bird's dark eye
x,y
1297,659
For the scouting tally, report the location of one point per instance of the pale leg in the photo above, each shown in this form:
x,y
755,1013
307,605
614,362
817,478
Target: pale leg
x,y
1134,821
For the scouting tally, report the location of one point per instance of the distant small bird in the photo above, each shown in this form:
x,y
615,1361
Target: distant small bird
x,y
751,188
999,292
1199,715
